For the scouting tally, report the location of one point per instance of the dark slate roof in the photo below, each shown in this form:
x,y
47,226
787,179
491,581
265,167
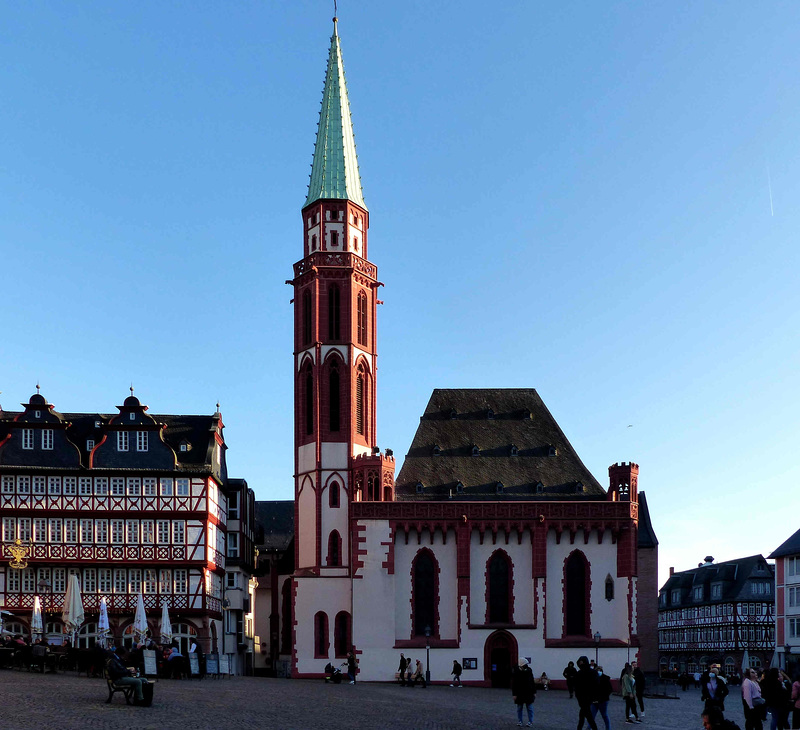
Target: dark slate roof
x,y
734,575
647,535
790,547
495,420
276,519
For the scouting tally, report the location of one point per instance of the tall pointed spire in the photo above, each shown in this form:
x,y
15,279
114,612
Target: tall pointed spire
x,y
334,172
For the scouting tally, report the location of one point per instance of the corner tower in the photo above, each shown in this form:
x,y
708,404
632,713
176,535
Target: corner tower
x,y
335,354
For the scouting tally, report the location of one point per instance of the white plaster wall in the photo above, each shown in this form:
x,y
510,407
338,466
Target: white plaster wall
x,y
306,458
325,349
523,583
302,355
318,594
306,531
358,449
335,518
339,227
313,231
610,618
333,455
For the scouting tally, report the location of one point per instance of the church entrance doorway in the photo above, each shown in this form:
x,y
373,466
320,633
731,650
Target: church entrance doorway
x,y
499,657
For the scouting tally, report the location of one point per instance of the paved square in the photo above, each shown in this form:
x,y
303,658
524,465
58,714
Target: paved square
x,y
66,702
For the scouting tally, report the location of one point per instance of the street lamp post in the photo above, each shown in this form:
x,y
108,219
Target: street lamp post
x,y
787,648
597,638
427,655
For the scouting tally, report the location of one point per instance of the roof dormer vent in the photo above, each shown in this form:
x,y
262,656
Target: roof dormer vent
x,y
475,450
513,450
436,450
552,451
498,488
420,488
459,488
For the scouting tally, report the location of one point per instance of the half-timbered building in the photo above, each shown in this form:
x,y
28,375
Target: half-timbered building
x,y
715,613
130,502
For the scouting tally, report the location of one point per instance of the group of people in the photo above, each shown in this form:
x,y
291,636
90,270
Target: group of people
x,y
410,672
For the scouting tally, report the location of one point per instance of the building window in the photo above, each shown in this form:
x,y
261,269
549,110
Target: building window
x,y
104,580
134,487
341,634
362,319
716,591
233,544
70,485
165,580
306,317
321,635
8,485
334,394
70,530
89,444
609,588
231,580
308,383
149,487
794,628
56,530
577,595
101,532
132,532
424,593
39,485
334,550
333,494
793,565
286,617
47,439
180,580
120,581
233,506
117,486
163,532
148,532
122,440
499,575
373,487
178,532
334,239
101,486
182,487
142,440
675,597
24,485
89,581
166,487
793,593
27,438
361,378
87,532
150,581
334,313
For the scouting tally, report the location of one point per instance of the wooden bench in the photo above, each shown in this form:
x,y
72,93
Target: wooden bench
x,y
127,690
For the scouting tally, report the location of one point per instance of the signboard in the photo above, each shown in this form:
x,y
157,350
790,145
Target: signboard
x,y
212,663
224,664
150,666
194,664
469,663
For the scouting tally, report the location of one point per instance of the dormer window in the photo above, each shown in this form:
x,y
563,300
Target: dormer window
x,y
498,488
419,488
453,413
475,450
579,488
89,444
436,450
97,424
489,413
552,451
675,597
47,439
122,440
142,440
539,487
513,451
38,414
27,439
132,416
185,446
716,591
698,593
459,488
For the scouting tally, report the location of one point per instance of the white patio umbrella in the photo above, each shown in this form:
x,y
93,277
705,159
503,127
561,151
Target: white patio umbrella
x,y
36,619
140,620
745,661
72,613
166,625
103,629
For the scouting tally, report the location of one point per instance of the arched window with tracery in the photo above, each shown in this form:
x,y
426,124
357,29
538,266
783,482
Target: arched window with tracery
x,y
576,599
286,617
362,319
334,313
361,400
341,634
373,487
306,317
424,593
321,635
500,579
334,550
334,397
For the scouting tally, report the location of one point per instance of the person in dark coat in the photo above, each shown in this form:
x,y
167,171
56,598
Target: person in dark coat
x,y
523,689
776,697
457,669
569,674
638,676
585,692
352,666
713,690
602,697
713,719
401,670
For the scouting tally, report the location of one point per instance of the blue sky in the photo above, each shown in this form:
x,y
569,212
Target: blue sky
x,y
568,196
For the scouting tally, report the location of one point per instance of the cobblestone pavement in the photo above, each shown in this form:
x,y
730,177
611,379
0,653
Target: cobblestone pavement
x,y
64,701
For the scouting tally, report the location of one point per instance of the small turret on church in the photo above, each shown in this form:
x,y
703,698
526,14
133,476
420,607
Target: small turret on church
x,y
623,482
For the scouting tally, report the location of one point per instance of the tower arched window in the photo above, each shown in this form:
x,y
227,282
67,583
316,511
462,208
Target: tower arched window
x,y
334,239
424,591
308,400
333,494
334,313
334,397
576,600
500,580
341,634
362,319
286,617
361,397
373,487
306,317
321,635
609,588
334,550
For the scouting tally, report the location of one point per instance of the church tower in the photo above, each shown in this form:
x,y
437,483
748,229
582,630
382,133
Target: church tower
x,y
337,461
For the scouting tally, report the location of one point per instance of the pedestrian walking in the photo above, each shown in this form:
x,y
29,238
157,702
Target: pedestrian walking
x,y
352,665
776,697
409,671
456,675
401,670
523,690
640,682
629,695
602,697
585,692
752,701
418,676
569,674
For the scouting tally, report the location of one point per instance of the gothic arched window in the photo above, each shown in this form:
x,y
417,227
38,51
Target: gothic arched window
x,y
308,398
373,487
499,571
334,314
609,588
341,634
334,550
361,378
333,494
286,617
321,634
577,595
334,399
362,319
423,591
306,317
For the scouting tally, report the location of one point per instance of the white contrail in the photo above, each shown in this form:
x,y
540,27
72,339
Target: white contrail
x,y
769,183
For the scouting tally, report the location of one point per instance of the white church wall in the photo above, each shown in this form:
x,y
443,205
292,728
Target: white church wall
x,y
333,594
334,518
306,530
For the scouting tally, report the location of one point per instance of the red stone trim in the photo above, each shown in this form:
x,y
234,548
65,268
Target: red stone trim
x,y
588,605
294,625
584,642
487,652
388,564
510,563
359,550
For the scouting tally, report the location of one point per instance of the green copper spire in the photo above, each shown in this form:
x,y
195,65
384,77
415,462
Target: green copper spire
x,y
334,172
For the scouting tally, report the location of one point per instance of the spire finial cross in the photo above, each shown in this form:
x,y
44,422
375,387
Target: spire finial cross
x,y
131,388
37,387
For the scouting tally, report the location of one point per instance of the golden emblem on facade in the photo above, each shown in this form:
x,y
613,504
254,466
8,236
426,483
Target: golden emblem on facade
x,y
19,554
